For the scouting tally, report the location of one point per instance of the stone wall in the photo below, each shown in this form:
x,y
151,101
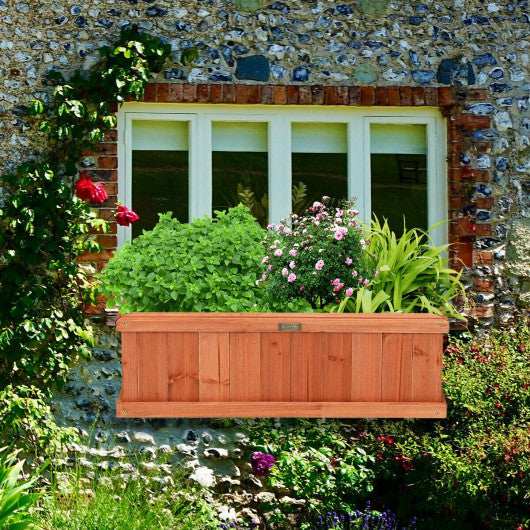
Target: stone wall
x,y
478,48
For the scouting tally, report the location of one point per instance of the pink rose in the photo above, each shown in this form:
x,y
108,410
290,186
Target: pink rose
x,y
348,261
98,194
292,277
319,264
125,217
293,252
285,272
292,265
84,188
349,291
278,252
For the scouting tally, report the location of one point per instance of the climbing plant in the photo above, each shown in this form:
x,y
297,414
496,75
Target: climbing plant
x,y
46,220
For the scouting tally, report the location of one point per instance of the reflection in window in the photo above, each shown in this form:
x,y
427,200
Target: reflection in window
x,y
398,165
319,162
240,167
160,172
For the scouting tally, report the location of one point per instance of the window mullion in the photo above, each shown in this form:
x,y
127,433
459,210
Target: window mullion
x,y
280,179
200,167
358,168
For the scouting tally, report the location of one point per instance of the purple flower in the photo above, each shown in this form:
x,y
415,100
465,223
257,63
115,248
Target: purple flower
x,y
262,464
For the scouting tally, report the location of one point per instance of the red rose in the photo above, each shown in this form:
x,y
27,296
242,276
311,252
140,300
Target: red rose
x,y
98,194
125,217
84,188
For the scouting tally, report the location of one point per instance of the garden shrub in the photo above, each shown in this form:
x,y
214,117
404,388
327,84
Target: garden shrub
x,y
472,469
412,275
206,265
317,257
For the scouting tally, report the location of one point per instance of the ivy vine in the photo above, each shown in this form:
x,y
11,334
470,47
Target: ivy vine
x,y
45,225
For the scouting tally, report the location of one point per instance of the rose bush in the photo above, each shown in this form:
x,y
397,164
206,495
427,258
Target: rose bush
x,y
318,257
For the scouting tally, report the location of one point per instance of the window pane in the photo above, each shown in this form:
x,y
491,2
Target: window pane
x,y
319,162
160,172
399,175
240,167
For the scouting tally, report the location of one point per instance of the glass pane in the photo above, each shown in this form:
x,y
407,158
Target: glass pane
x,y
399,189
319,163
240,167
159,184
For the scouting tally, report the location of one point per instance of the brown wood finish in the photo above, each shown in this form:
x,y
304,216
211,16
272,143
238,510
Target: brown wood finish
x,y
204,365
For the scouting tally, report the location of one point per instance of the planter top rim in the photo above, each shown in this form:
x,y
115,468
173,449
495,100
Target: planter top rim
x,y
269,322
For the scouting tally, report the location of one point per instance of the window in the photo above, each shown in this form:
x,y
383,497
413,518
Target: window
x,y
192,159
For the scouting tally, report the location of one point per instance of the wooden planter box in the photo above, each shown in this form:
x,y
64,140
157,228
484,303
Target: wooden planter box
x,y
281,365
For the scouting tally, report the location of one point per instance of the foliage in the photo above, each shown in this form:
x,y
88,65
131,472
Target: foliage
x,y
44,226
315,462
412,275
317,257
108,501
473,468
206,265
357,520
27,421
15,501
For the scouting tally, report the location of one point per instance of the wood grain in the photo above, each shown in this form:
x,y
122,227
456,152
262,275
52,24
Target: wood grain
x,y
129,366
152,366
396,381
183,366
300,344
275,366
245,378
336,367
427,368
367,359
214,367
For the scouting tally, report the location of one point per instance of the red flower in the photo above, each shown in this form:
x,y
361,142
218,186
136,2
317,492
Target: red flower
x,y
84,188
125,217
98,194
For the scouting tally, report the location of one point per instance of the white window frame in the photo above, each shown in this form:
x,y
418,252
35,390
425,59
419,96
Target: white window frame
x,y
279,119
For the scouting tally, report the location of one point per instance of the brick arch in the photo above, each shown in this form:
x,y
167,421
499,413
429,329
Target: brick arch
x,y
460,129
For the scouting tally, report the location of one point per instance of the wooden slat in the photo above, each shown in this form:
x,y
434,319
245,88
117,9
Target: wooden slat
x,y
427,368
245,366
300,344
396,380
366,367
152,366
275,367
268,322
183,366
129,363
336,367
287,409
316,350
214,366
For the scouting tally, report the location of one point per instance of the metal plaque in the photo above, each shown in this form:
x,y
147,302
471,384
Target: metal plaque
x,y
290,326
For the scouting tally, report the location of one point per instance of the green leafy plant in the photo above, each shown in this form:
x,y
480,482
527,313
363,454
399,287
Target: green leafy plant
x,y
27,421
206,265
412,275
44,226
15,501
317,257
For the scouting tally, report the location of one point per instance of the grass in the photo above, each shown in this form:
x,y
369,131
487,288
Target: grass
x,y
111,503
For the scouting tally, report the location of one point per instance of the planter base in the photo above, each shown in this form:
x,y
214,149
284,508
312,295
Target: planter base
x,y
284,409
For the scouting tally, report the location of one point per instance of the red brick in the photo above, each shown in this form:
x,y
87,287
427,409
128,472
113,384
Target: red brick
x,y
453,158
354,95
470,122
247,94
280,95
482,148
112,229
483,257
431,97
317,95
162,93
292,95
107,162
453,133
455,204
150,93
203,93
304,94
463,251
106,149
104,255
175,92
111,136
418,96
110,202
330,95
111,188
464,228
483,286
107,214
216,93
267,94
188,93
108,175
405,96
393,96
481,312
445,96
90,309
367,96
342,95
229,94
108,242
484,203
381,96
